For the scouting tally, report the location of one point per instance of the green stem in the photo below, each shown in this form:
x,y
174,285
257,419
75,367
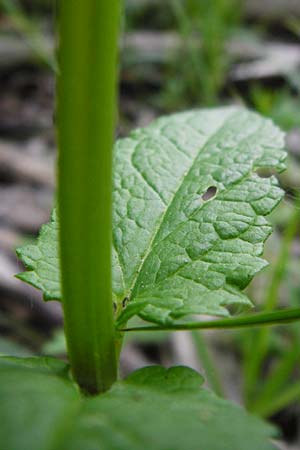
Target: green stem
x,y
279,317
86,99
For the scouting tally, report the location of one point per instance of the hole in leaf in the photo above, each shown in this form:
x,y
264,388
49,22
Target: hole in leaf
x,y
265,172
210,193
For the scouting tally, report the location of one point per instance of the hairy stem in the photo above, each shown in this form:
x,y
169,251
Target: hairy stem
x,y
86,98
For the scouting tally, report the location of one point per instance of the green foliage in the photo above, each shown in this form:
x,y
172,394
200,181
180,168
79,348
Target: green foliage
x,y
267,390
281,106
44,274
189,207
154,408
31,32
175,251
204,72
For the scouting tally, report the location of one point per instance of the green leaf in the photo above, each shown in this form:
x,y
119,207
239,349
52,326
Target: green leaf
x,y
37,405
42,261
154,408
175,251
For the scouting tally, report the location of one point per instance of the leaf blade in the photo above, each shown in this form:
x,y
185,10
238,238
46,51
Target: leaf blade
x,y
153,408
176,253
164,301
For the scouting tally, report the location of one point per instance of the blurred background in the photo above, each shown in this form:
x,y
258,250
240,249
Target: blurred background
x,y
175,54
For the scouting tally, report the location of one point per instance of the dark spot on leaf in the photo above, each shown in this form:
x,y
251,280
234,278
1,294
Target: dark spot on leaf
x,y
125,301
115,307
210,193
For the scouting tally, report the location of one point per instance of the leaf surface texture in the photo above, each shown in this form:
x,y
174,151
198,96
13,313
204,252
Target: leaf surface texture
x,y
189,213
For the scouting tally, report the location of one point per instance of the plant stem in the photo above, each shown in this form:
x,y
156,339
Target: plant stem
x,y
86,99
279,317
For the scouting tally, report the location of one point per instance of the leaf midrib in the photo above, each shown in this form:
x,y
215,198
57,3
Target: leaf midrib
x,y
233,185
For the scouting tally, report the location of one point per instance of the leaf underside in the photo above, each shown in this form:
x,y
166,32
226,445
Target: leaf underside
x,y
154,408
189,213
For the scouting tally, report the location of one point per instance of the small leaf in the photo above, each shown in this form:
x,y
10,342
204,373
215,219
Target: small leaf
x,y
154,408
188,215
